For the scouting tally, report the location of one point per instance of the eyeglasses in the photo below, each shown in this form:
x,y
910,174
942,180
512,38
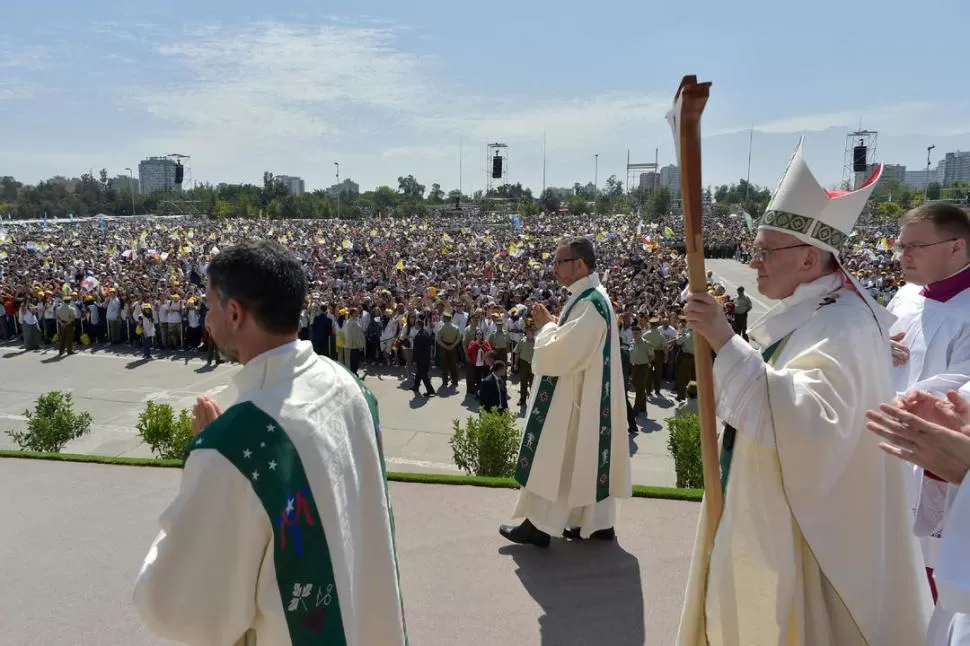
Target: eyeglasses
x,y
901,248
762,254
559,261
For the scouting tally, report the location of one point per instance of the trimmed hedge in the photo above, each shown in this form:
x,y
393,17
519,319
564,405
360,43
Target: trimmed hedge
x,y
639,491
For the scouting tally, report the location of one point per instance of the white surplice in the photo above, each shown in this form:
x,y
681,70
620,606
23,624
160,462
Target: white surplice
x,y
561,489
950,624
938,337
814,546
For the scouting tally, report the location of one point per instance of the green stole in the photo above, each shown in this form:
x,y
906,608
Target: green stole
x,y
730,433
263,452
544,397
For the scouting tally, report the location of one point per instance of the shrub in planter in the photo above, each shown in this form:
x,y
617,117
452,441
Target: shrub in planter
x,y
684,444
52,424
166,434
487,445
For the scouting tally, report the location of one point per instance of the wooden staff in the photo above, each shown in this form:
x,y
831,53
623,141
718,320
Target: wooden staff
x,y
685,119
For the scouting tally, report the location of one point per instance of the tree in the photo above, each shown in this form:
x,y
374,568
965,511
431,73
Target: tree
x,y
577,204
409,188
9,189
529,208
436,195
933,191
660,201
549,200
614,187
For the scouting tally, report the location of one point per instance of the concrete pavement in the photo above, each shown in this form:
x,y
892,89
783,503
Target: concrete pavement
x,y
76,535
114,384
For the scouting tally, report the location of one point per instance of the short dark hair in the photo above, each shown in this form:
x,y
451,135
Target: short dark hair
x,y
581,248
950,220
266,279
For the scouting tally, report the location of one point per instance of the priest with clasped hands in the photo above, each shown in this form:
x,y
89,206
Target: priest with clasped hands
x,y
932,432
814,544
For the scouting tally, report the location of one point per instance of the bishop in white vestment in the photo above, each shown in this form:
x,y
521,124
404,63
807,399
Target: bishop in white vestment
x,y
574,461
282,531
814,546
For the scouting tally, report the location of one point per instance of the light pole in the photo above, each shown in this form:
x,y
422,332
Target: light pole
x,y
337,164
131,189
596,175
926,187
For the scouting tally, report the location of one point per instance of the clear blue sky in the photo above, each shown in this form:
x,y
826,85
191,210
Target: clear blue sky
x,y
390,88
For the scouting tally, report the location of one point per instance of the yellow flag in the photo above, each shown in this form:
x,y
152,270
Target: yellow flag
x,y
345,244
545,255
668,232
600,237
400,265
373,232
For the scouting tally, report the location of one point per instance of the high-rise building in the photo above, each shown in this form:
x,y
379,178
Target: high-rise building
x,y
346,186
670,178
956,167
156,174
893,173
294,184
649,180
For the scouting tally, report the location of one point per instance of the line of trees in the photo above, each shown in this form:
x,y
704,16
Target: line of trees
x,y
91,195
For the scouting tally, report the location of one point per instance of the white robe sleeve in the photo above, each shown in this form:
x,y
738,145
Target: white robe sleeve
x,y
739,376
570,348
198,583
952,570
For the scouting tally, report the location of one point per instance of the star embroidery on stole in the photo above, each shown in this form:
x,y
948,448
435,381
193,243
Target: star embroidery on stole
x,y
255,475
247,453
198,442
270,428
272,465
262,445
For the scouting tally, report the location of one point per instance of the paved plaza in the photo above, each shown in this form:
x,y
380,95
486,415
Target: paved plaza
x,y
114,385
77,533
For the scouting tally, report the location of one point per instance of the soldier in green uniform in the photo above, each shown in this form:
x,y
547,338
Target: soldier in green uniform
x,y
684,369
470,370
65,327
658,342
641,362
500,340
449,340
523,352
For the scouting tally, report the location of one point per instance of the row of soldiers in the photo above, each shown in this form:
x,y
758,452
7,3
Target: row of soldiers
x,y
648,360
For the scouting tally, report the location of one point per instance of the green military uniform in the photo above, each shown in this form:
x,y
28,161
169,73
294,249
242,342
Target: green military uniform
x,y
524,350
684,368
500,343
65,328
658,342
449,340
641,362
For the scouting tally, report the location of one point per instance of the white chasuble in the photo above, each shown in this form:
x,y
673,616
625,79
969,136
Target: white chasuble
x,y
814,546
575,455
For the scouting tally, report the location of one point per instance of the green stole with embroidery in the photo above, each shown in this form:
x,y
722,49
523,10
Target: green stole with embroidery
x,y
730,433
263,452
544,397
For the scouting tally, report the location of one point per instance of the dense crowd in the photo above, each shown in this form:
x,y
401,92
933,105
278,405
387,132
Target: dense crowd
x,y
140,281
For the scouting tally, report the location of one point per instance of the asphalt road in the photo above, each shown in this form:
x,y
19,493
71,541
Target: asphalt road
x,y
74,536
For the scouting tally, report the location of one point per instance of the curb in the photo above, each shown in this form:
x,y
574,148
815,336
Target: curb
x,y
639,491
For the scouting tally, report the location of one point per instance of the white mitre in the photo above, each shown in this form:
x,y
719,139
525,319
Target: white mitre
x,y
801,208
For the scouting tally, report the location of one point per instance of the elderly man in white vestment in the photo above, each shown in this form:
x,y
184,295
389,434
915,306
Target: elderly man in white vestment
x,y
574,461
933,433
282,532
931,333
814,546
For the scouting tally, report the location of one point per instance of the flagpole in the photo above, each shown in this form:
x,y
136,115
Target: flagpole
x,y
543,162
747,181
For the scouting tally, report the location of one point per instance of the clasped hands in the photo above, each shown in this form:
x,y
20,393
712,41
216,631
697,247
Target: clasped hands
x,y
540,315
203,413
929,431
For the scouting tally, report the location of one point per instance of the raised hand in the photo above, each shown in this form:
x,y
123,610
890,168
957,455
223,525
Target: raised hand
x,y
203,413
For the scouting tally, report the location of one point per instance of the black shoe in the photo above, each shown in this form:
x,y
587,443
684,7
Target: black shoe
x,y
431,393
525,534
572,533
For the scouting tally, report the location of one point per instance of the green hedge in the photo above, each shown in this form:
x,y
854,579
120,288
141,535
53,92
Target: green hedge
x,y
639,491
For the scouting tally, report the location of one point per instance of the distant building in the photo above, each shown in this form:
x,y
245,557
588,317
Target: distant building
x,y
294,184
670,178
346,186
122,182
156,174
893,173
649,180
956,167
918,179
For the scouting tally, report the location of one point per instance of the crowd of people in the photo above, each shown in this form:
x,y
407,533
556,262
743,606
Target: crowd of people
x,y
374,284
